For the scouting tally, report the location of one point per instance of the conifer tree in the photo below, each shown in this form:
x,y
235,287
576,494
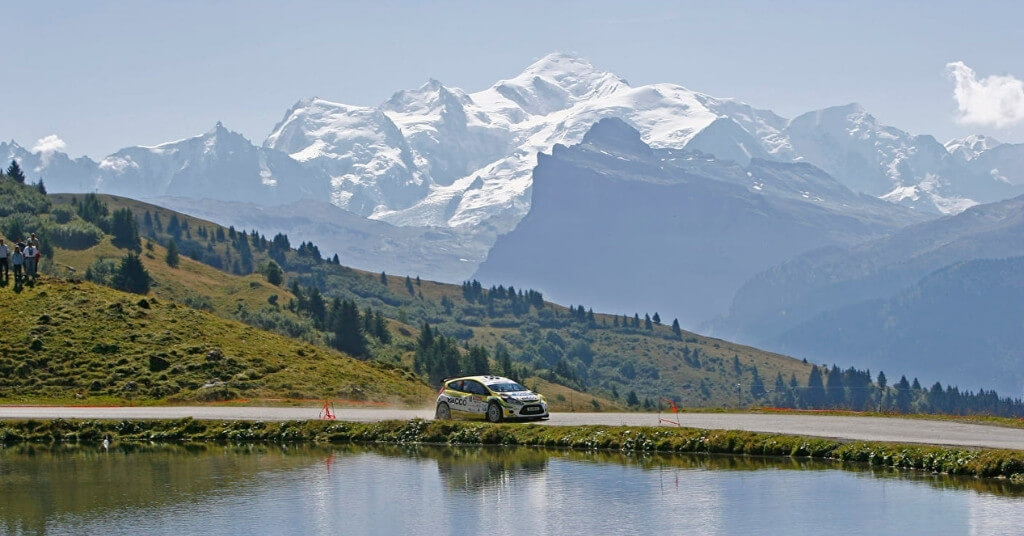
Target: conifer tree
x,y
676,329
631,399
347,332
814,396
834,388
757,389
172,254
647,322
125,229
656,318
903,397
272,271
40,187
15,173
131,275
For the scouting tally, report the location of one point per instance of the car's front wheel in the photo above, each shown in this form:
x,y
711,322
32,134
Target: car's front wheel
x,y
494,412
443,412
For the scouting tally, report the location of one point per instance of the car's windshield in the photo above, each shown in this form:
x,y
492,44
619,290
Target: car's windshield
x,y
509,387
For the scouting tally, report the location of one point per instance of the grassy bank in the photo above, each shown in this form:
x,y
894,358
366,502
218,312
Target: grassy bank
x,y
946,460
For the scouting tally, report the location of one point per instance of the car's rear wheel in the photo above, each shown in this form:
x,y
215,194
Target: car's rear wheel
x,y
494,412
443,412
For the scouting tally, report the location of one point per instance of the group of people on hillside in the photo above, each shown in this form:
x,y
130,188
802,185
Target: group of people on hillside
x,y
23,260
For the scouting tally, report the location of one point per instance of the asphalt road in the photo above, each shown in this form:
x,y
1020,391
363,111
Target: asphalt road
x,y
840,427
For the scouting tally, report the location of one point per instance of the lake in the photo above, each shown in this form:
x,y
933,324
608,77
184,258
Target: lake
x,y
263,489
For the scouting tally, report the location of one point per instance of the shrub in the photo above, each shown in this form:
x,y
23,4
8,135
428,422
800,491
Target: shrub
x,y
76,235
62,214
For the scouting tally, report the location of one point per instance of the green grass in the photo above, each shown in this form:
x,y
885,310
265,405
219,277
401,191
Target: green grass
x,y
656,355
945,460
79,341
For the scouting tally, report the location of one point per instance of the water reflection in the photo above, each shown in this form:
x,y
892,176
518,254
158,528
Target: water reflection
x,y
265,489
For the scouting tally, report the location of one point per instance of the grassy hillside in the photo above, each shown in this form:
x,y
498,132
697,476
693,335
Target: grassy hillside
x,y
589,353
429,330
79,340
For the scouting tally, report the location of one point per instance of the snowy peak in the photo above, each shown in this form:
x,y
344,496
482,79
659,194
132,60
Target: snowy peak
x,y
427,99
834,119
218,164
318,128
370,165
970,147
727,140
576,76
556,82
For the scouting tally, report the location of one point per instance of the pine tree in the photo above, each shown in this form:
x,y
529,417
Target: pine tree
x,y
384,279
757,389
656,318
380,328
676,329
40,187
131,275
782,396
814,396
336,260
14,172
903,397
345,326
272,271
172,254
125,229
174,227
632,400
409,287
647,322
834,388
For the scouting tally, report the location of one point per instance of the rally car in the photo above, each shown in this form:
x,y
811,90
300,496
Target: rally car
x,y
493,397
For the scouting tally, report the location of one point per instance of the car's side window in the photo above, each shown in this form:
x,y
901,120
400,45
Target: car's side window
x,y
455,386
476,388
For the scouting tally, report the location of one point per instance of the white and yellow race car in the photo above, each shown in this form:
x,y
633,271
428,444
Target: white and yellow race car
x,y
492,397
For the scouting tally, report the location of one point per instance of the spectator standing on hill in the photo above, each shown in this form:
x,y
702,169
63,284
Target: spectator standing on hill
x,y
17,260
34,242
30,253
5,254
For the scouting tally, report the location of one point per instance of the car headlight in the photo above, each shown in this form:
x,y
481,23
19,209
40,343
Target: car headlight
x,y
511,400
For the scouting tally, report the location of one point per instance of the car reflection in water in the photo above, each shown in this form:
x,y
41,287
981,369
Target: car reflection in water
x,y
475,469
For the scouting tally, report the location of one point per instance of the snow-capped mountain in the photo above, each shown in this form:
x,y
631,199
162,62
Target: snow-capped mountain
x,y
968,148
219,164
438,156
475,152
59,172
676,231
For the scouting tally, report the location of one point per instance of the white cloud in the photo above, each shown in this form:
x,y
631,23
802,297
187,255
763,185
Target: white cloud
x,y
991,101
49,145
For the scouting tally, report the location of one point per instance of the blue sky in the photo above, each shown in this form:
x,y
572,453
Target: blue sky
x,y
104,75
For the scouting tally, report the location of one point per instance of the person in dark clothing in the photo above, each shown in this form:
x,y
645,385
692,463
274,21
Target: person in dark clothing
x,y
5,254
